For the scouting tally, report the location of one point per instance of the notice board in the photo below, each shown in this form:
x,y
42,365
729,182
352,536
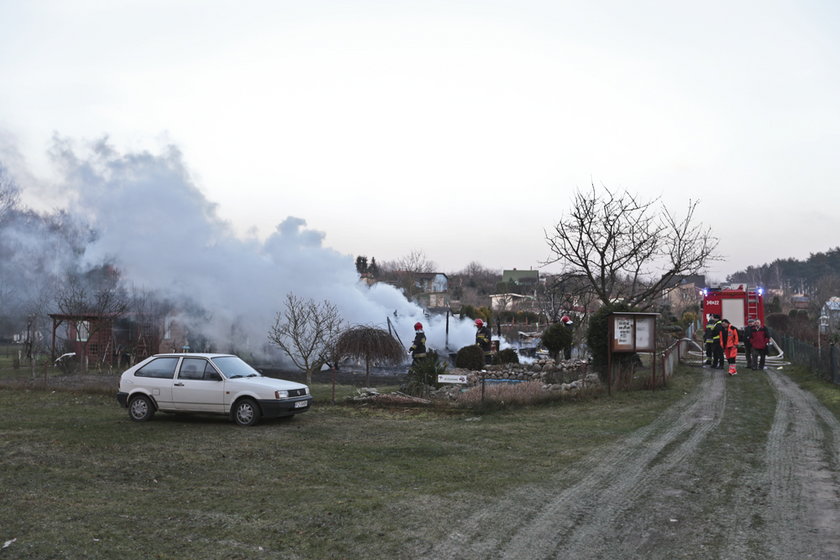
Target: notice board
x,y
633,332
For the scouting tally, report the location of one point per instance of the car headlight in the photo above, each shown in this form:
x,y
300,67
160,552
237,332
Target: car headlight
x,y
281,394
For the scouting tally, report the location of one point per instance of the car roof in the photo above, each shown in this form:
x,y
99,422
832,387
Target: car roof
x,y
191,355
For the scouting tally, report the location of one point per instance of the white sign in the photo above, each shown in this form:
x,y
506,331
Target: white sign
x,y
452,379
643,334
624,331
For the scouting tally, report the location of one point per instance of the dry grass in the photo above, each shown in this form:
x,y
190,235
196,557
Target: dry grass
x,y
90,384
78,479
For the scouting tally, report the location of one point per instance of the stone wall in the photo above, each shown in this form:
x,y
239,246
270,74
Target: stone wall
x,y
545,370
568,377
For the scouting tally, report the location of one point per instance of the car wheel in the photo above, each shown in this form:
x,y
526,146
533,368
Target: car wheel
x,y
140,408
246,412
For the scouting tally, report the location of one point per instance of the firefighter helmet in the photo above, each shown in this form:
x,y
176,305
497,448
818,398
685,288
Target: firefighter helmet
x,y
566,319
479,323
418,326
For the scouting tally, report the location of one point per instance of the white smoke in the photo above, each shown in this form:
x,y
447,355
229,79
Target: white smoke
x,y
160,230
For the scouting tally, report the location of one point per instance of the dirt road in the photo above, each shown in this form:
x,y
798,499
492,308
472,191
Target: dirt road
x,y
745,467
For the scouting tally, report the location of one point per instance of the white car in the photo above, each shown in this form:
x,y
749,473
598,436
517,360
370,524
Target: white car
x,y
214,383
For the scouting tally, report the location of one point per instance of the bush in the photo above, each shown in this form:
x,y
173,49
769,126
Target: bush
x,y
483,313
423,374
506,356
557,337
778,322
470,357
598,339
688,318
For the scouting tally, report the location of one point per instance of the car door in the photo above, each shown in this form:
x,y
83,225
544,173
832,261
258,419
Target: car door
x,y
157,378
198,387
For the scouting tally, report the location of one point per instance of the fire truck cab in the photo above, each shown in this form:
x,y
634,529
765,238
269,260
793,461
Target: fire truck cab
x,y
737,302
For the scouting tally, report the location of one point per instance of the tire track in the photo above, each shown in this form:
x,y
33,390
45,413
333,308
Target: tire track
x,y
593,494
803,453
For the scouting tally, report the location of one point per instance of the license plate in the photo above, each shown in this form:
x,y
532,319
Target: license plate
x,y
301,404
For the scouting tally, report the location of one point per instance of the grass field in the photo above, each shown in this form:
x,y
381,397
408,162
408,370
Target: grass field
x,y
79,480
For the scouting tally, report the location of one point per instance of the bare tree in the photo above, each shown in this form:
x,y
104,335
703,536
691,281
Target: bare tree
x,y
564,293
474,284
415,261
9,193
306,331
95,303
147,325
626,249
824,288
404,271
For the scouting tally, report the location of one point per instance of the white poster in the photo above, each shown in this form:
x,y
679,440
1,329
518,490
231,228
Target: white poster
x,y
624,331
643,334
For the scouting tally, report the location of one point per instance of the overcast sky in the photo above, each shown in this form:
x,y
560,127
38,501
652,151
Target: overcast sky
x,y
457,128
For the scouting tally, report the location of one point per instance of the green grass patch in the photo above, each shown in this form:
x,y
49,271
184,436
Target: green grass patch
x,y
78,479
826,392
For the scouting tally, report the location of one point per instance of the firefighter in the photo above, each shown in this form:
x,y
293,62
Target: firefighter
x,y
729,343
418,348
749,328
717,348
760,340
709,338
567,348
482,339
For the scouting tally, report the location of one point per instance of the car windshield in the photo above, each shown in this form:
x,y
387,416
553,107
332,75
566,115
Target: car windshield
x,y
233,367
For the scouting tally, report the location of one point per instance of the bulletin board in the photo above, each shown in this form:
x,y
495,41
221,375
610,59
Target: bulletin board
x,y
629,333
632,332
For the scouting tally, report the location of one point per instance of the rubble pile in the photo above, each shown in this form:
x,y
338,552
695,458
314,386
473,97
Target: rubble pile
x,y
545,370
568,377
371,395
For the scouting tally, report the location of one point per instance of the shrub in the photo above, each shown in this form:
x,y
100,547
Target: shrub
x,y
598,339
423,374
778,322
688,317
557,337
470,357
506,356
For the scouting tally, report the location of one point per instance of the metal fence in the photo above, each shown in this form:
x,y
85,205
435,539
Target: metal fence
x,y
672,356
823,361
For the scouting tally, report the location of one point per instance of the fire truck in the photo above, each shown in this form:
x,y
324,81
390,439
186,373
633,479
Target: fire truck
x,y
737,302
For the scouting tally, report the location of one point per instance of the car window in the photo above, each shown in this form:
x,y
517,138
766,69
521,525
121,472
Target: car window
x,y
233,367
198,368
210,373
162,368
192,368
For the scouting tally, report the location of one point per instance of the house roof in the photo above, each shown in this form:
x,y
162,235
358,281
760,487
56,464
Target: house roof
x,y
511,296
697,280
832,304
517,276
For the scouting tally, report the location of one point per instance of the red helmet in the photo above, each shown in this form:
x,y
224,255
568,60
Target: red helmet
x,y
479,323
418,326
566,319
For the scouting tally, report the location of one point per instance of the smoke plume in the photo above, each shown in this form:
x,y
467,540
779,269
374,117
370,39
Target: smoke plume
x,y
156,226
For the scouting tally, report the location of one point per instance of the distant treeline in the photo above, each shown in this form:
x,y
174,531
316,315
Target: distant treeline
x,y
801,276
